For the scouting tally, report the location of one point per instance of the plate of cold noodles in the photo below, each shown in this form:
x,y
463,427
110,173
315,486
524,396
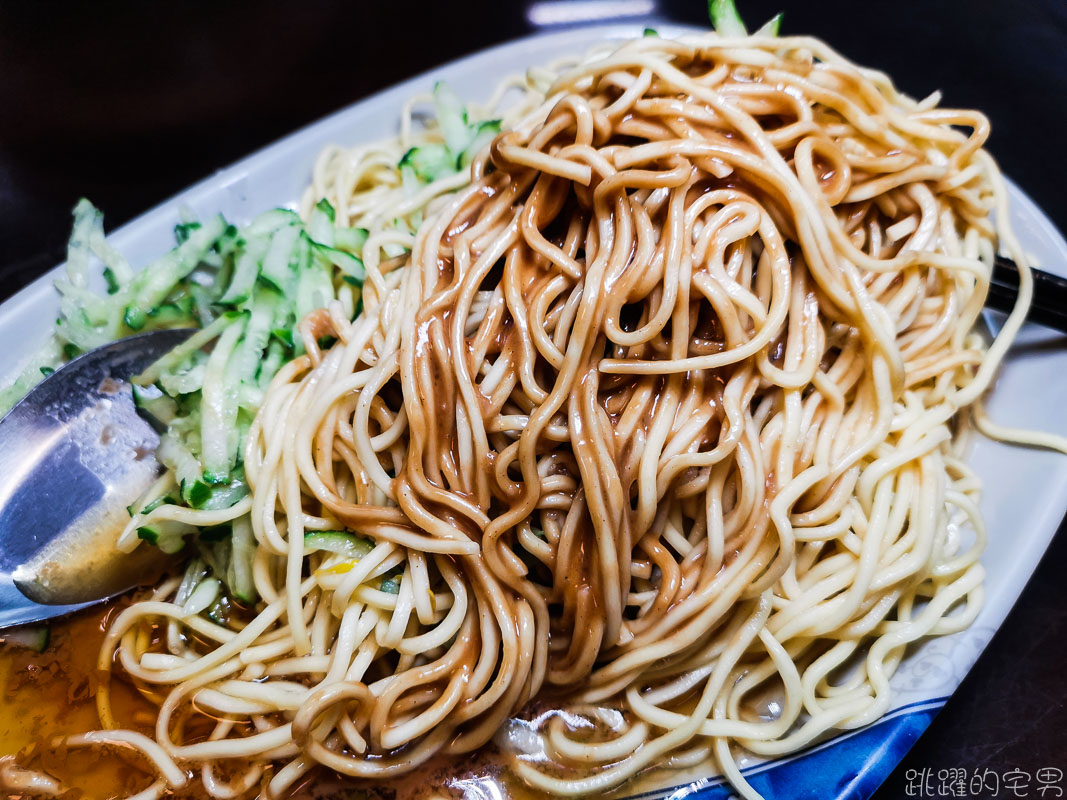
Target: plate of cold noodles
x,y
629,427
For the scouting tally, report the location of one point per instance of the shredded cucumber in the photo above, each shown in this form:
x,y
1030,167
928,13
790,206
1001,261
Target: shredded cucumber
x,y
314,288
429,162
348,264
245,272
351,240
185,381
239,575
463,140
278,268
320,227
263,311
725,19
157,405
339,542
202,597
245,289
484,133
218,419
151,286
198,493
195,572
184,351
451,117
167,535
771,27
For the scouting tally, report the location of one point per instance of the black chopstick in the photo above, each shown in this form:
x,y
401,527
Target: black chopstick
x,y
1050,294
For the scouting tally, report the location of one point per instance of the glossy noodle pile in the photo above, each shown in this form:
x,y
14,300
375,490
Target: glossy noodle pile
x,y
656,417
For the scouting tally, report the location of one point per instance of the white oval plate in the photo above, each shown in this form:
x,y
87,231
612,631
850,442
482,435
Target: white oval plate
x,y
1025,492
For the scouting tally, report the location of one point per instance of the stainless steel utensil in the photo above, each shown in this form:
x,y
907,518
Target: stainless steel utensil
x,y
74,453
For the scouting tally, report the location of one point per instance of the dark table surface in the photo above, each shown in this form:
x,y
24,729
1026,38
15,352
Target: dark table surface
x,y
128,102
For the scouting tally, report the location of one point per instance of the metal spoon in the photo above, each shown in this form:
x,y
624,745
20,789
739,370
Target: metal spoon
x,y
74,453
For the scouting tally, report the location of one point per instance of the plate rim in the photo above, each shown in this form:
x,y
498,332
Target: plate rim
x,y
1051,514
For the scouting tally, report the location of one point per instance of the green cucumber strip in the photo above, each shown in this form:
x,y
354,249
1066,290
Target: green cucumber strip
x,y
390,581
183,230
185,381
340,542
134,317
173,314
114,262
197,493
151,286
725,19
86,319
174,454
200,494
220,259
48,358
314,289
277,268
429,162
195,572
112,282
176,357
202,298
153,402
202,597
330,257
157,503
484,133
217,555
249,398
271,222
320,226
271,363
87,238
218,434
452,118
239,575
168,535
410,183
326,208
78,252
351,240
245,272
249,352
283,336
772,26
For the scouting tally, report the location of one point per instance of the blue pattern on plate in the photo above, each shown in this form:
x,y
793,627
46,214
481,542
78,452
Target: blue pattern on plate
x,y
848,767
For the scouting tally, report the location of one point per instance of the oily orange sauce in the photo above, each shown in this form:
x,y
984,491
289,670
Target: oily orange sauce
x,y
44,696
53,693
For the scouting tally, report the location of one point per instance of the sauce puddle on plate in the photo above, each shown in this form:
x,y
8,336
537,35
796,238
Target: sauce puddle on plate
x,y
53,694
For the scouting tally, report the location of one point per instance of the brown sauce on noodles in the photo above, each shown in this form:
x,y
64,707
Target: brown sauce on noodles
x,y
53,694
